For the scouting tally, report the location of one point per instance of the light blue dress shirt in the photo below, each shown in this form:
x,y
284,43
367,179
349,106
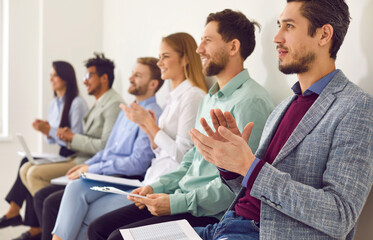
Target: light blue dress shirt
x,y
77,111
128,150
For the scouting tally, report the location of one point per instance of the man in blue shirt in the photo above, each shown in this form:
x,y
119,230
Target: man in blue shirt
x,y
128,150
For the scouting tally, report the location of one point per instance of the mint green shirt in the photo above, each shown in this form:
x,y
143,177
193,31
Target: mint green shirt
x,y
195,187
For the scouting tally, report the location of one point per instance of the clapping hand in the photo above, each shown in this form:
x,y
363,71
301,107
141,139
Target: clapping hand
x,y
226,148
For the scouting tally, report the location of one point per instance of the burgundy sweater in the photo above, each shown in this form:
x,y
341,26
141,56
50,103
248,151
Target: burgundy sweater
x,y
248,206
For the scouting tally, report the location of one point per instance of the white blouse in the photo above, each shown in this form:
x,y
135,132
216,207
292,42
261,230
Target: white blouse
x,y
173,140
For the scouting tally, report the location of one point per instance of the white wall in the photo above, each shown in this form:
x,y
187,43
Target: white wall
x,y
23,77
71,31
45,30
135,28
42,31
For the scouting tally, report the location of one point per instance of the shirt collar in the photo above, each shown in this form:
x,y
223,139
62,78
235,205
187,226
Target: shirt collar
x,y
180,89
147,101
105,95
61,99
317,87
231,86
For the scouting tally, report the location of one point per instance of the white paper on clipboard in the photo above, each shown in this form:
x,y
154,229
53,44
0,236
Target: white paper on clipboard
x,y
115,190
111,179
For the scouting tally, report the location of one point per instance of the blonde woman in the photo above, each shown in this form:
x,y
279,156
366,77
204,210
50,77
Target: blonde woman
x,y
181,65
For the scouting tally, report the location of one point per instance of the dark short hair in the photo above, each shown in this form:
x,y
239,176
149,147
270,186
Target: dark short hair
x,y
155,71
235,25
67,73
333,12
103,66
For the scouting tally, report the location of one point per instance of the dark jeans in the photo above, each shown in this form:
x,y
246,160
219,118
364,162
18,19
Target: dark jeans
x,y
231,226
18,194
107,226
47,202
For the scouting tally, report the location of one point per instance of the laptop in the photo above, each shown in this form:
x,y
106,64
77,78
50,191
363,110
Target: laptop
x,y
37,159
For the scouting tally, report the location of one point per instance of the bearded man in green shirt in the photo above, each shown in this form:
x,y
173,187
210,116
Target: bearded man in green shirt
x,y
195,191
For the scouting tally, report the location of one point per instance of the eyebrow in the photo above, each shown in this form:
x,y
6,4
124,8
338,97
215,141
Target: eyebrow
x,y
206,36
136,72
286,20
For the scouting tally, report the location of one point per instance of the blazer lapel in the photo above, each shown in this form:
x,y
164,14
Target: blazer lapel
x,y
267,135
96,110
313,115
86,119
91,115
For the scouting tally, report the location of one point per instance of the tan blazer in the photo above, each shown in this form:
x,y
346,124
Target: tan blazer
x,y
97,125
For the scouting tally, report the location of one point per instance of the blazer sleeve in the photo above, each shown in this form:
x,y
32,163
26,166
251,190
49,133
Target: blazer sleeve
x,y
91,145
346,181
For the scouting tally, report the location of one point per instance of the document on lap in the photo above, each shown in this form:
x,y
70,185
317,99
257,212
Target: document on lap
x,y
114,190
64,180
111,179
173,230
51,156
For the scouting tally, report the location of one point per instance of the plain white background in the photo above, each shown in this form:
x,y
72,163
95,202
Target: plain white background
x,y
41,31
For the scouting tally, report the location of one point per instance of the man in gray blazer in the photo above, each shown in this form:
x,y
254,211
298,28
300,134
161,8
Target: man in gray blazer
x,y
313,170
97,125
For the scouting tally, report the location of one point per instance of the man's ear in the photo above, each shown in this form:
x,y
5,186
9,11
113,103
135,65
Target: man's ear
x,y
105,79
235,46
153,84
325,34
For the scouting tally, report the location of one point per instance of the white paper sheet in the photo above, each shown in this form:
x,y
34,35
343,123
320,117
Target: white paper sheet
x,y
109,189
50,156
110,179
173,230
64,180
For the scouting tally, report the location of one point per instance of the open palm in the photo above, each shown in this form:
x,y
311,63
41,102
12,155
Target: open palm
x,y
220,119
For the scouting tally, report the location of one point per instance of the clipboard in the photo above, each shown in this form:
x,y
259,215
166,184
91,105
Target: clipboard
x,y
111,179
115,190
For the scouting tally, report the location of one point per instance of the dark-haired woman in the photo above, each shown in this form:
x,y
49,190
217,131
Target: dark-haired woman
x,y
66,110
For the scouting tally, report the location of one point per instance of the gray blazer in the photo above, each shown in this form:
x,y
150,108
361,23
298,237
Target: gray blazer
x,y
97,125
321,178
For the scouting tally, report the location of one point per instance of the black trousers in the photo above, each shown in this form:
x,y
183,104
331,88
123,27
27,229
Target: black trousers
x,y
47,202
108,225
18,194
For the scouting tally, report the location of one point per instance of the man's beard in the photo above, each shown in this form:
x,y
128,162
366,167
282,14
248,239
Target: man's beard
x,y
137,91
215,67
300,65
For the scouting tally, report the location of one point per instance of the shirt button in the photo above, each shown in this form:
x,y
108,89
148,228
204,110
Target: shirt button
x,y
279,207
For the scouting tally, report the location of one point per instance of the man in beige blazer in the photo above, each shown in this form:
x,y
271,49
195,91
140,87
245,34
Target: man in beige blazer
x,y
97,125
